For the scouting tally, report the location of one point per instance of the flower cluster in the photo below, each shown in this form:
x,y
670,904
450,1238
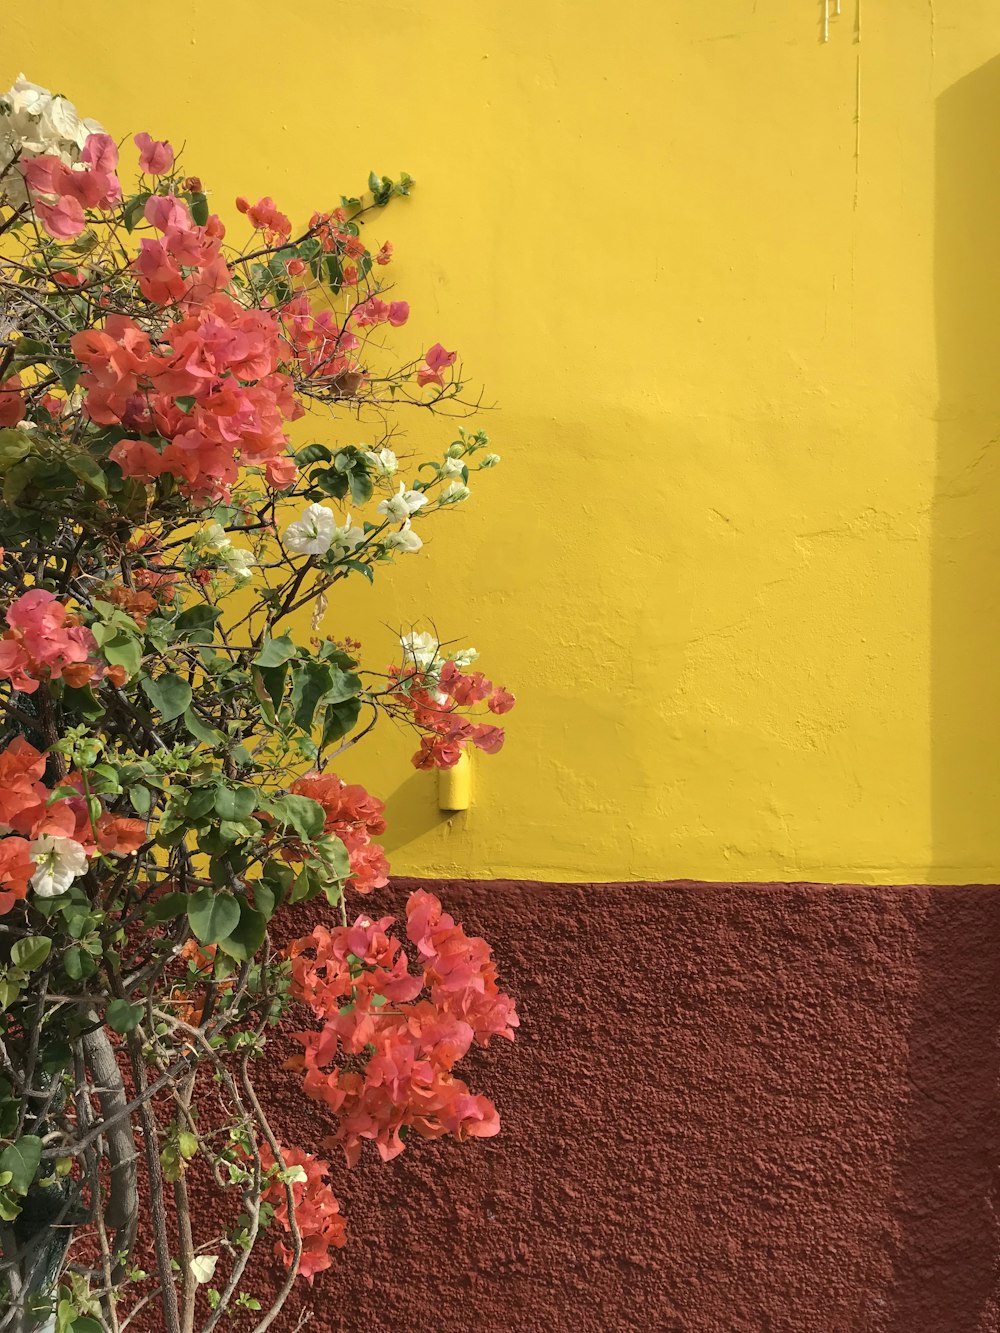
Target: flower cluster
x,y
166,678
406,1030
317,1212
432,688
44,642
37,123
220,357
353,816
60,193
49,841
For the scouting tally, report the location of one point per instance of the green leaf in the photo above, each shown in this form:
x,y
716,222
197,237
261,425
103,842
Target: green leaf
x,y
89,472
21,1159
82,702
272,683
312,453
167,908
345,685
300,813
311,682
170,695
335,856
68,371
123,650
247,937
200,801
140,799
197,623
272,888
235,803
201,731
362,487
307,884
275,652
199,209
123,1017
339,719
14,445
134,210
213,916
334,273
78,964
31,952
56,1056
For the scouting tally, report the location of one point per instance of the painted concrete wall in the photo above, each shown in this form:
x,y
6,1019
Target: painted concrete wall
x,y
736,291
737,1109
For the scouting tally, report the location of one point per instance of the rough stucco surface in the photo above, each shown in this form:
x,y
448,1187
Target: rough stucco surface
x,y
731,1109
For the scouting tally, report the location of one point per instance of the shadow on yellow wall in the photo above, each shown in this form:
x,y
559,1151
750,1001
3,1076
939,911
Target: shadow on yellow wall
x,y
965,542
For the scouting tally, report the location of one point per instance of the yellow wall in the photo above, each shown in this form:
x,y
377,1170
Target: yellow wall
x,y
741,561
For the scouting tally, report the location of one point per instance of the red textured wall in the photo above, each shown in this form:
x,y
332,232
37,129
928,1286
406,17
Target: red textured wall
x,y
731,1109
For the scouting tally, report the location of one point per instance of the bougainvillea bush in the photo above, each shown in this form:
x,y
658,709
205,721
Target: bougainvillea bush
x,y
175,688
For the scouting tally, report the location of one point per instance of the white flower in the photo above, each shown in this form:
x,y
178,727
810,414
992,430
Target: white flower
x,y
312,533
238,563
454,493
384,463
404,540
212,539
452,467
466,657
58,862
420,649
347,538
401,505
35,121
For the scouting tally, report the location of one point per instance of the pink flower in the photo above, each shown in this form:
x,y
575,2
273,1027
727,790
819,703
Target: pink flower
x,y
265,217
500,701
399,312
166,210
11,402
436,360
101,152
14,663
63,220
137,459
156,156
488,739
42,173
281,472
385,254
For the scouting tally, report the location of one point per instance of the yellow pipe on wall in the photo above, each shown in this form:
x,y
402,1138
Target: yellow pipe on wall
x,y
455,785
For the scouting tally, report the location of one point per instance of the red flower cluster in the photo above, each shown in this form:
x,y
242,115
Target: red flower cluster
x,y
321,346
399,1049
376,311
28,813
265,217
434,704
353,815
60,193
43,643
436,360
317,1212
219,354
